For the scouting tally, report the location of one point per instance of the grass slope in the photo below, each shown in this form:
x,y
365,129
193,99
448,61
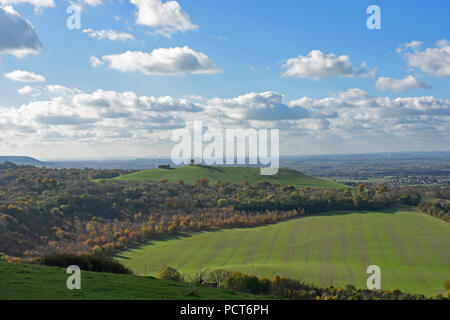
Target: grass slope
x,y
411,248
229,174
29,282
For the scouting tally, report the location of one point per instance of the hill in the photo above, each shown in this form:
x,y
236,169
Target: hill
x,y
332,248
26,281
190,174
22,160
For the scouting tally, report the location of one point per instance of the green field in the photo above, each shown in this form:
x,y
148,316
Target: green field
x,y
411,248
29,282
228,174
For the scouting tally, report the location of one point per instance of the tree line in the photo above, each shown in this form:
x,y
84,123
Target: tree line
x,y
285,287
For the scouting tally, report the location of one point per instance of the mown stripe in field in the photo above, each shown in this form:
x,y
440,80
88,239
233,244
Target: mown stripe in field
x,y
417,253
399,259
325,254
270,250
255,245
436,240
234,243
306,245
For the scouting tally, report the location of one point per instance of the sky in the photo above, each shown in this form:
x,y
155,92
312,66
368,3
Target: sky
x,y
136,70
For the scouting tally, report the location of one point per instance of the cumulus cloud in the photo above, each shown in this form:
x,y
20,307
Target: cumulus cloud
x,y
265,106
365,124
348,121
93,3
193,97
171,61
24,76
59,90
25,90
38,4
55,90
166,17
109,34
17,36
414,45
70,116
397,85
434,61
316,65
361,106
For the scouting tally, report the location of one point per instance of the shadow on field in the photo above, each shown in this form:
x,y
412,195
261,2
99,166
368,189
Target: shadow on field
x,y
392,210
346,212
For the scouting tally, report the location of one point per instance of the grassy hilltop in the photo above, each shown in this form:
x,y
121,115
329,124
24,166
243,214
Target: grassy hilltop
x,y
190,174
29,282
333,248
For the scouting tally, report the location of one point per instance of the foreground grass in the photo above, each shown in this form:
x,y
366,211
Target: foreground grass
x,y
229,174
24,282
335,248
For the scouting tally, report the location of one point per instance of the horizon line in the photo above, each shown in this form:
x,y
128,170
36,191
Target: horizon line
x,y
130,158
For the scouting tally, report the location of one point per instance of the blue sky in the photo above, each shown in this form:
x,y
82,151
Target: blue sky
x,y
247,45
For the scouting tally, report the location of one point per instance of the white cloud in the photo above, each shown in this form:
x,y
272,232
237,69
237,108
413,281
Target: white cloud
x,y
397,85
265,106
193,97
166,17
171,61
109,34
316,65
443,43
51,91
59,90
360,105
414,45
95,62
38,4
93,3
434,61
98,117
352,96
362,123
25,90
106,123
24,76
17,36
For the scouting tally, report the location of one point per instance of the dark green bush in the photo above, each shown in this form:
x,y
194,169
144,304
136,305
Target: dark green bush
x,y
86,262
265,285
